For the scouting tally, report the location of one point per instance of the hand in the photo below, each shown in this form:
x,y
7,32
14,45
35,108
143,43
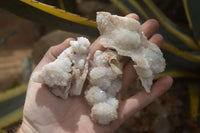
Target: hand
x,y
46,113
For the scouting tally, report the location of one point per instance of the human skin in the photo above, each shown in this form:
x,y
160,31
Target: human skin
x,y
46,113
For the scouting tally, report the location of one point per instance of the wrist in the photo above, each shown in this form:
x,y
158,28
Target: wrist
x,y
24,128
20,130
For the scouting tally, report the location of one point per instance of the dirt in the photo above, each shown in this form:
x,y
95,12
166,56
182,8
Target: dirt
x,y
15,47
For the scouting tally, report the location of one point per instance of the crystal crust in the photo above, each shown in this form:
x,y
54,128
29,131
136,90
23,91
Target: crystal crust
x,y
125,36
68,72
105,78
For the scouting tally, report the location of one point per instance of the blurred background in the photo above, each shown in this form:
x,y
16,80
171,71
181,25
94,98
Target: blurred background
x,y
29,28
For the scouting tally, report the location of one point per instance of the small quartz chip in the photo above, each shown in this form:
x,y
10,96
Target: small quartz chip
x,y
68,72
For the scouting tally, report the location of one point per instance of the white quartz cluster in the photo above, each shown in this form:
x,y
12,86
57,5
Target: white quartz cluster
x,y
125,36
68,72
105,78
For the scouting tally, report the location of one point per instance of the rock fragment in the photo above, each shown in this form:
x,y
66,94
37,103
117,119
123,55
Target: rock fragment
x,y
68,72
125,36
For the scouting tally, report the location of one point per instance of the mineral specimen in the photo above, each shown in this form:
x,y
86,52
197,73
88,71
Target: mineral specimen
x,y
68,72
105,78
125,36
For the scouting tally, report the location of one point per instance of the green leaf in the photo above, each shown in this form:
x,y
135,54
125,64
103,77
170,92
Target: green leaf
x,y
194,93
11,105
181,50
182,60
177,73
172,33
50,16
192,11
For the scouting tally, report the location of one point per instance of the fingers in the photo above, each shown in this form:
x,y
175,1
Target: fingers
x,y
53,53
150,27
94,47
142,99
129,75
133,15
157,39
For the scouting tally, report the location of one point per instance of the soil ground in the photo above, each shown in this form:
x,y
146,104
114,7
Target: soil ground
x,y
19,36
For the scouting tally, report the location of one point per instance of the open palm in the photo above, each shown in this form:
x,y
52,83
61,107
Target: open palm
x,y
46,113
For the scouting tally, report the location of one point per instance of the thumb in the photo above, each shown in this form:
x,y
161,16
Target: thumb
x,y
52,53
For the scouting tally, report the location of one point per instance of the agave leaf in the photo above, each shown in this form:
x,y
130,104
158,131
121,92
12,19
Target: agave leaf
x,y
68,5
128,6
192,12
12,93
62,4
11,105
11,118
194,101
180,45
174,34
177,73
2,131
50,16
178,59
